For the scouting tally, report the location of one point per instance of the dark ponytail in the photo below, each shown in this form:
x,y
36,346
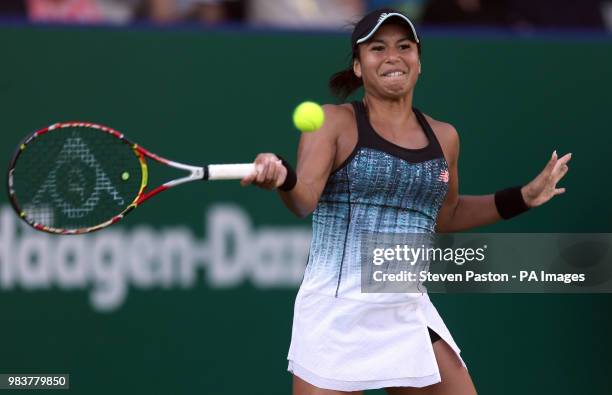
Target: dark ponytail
x,y
343,83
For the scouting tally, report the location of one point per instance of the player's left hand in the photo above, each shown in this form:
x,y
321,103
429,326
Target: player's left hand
x,y
542,188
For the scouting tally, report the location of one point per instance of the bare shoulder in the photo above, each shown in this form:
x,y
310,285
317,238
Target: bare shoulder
x,y
445,132
447,136
339,114
338,119
320,151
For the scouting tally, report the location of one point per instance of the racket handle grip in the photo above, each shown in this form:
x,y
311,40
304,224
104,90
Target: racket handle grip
x,y
229,172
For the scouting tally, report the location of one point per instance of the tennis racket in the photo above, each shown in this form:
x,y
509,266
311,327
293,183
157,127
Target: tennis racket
x,y
78,177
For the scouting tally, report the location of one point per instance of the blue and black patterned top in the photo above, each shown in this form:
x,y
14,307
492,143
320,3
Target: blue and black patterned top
x,y
380,188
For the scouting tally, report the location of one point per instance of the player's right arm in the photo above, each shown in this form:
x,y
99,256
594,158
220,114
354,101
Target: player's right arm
x,y
315,160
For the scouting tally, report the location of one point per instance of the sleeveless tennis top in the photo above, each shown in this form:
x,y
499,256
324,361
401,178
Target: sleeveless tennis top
x,y
380,188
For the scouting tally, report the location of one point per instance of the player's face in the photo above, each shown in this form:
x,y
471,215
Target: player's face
x,y
389,62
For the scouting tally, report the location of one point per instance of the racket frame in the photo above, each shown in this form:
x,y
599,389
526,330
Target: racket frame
x,y
208,172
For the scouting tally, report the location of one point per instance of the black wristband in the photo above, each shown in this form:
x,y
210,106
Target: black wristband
x,y
510,203
291,178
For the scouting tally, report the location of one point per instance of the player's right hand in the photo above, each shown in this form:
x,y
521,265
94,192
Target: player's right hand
x,y
269,172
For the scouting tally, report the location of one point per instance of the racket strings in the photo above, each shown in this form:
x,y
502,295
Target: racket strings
x,y
77,177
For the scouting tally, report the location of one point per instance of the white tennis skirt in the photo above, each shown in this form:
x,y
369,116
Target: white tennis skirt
x,y
351,345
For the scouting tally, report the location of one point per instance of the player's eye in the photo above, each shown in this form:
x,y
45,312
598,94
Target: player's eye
x,y
404,46
378,48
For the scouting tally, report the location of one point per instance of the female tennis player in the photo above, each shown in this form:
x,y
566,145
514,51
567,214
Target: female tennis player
x,y
380,165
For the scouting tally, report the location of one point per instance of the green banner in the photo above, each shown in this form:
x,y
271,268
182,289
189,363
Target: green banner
x,y
193,292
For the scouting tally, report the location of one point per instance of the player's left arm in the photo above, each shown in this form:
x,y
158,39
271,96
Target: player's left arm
x,y
462,212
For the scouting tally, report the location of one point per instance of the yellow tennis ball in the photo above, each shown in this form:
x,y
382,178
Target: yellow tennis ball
x,y
308,116
125,176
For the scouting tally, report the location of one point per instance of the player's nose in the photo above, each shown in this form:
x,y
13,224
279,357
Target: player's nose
x,y
392,59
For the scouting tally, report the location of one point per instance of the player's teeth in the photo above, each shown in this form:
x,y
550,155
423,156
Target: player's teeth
x,y
395,74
